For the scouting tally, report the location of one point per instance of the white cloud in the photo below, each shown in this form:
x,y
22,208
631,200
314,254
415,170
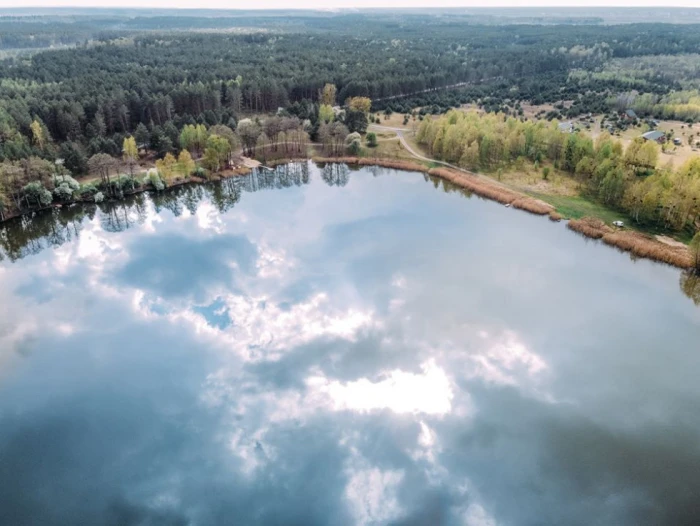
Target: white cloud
x,y
476,515
506,360
429,392
371,494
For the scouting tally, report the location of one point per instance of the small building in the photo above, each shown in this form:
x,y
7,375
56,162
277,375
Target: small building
x,y
630,115
566,127
656,136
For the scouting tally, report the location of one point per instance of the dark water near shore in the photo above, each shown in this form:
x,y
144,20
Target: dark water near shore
x,y
325,346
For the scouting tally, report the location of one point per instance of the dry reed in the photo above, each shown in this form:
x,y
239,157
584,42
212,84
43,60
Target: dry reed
x,y
636,243
491,190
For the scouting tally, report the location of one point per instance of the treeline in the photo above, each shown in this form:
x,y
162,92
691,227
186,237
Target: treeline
x,y
680,105
627,179
34,182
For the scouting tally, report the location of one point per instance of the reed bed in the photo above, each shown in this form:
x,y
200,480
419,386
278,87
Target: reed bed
x,y
494,191
590,227
636,243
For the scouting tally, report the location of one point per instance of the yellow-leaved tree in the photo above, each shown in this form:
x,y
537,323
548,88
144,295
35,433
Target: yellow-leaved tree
x,y
130,153
185,163
166,166
327,94
38,133
363,104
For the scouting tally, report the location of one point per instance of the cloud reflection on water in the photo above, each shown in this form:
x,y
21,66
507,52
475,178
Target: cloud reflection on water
x,y
323,355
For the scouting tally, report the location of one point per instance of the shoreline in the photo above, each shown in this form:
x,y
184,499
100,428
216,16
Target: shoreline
x,y
629,241
632,242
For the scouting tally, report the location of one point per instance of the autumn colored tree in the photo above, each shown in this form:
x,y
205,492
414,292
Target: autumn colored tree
x,y
363,104
185,163
38,135
130,153
327,94
166,166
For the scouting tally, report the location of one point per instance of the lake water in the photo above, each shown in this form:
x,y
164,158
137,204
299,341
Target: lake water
x,y
325,346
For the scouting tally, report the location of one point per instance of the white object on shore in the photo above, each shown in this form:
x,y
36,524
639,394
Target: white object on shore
x,y
619,224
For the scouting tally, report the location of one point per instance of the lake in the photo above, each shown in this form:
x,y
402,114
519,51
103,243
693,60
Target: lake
x,y
320,345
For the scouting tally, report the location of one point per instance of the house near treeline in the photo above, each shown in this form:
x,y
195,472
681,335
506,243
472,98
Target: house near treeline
x,y
629,115
655,135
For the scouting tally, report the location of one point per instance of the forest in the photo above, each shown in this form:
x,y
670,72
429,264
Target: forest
x,y
96,92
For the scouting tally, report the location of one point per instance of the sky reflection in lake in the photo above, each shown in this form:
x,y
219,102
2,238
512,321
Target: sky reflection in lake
x,y
320,346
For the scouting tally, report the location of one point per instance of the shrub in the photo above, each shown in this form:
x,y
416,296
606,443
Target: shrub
x,y
353,143
128,182
154,179
63,192
87,190
372,140
66,180
99,197
37,195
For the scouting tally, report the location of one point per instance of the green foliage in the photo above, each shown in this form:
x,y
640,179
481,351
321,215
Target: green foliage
x,y
356,121
372,140
325,113
193,138
695,251
624,179
216,153
87,190
63,192
36,195
154,180
353,143
65,187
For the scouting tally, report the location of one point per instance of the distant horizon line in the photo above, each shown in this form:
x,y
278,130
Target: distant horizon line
x,y
348,8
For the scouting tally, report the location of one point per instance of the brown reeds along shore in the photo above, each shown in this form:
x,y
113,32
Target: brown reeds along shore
x,y
641,245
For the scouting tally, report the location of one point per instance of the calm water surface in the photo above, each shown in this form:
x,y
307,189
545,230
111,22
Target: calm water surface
x,y
320,346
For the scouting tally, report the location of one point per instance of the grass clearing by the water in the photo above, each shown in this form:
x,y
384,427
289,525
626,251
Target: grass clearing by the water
x,y
576,207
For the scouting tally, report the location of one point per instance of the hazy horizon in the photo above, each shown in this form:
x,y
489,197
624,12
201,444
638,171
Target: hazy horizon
x,y
340,4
